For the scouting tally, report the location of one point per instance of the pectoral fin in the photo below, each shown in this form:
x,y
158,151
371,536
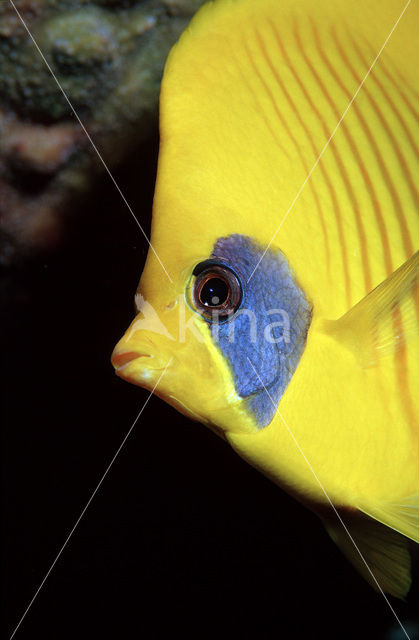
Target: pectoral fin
x,y
385,554
385,319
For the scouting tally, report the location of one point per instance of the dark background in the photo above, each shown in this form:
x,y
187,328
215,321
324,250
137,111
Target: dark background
x,y
183,537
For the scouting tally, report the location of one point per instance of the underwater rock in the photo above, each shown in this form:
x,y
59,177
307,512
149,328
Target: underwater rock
x,y
108,57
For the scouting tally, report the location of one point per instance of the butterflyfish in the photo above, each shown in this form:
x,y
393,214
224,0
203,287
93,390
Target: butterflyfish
x,y
279,297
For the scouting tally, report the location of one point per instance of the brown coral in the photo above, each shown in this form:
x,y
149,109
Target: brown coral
x,y
108,58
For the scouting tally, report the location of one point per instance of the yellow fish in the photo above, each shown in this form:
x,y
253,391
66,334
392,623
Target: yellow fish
x,y
279,298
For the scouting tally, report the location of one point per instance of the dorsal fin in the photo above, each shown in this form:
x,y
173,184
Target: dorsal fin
x,y
385,319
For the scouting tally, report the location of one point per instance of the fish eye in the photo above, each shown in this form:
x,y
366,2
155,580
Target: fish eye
x,y
217,291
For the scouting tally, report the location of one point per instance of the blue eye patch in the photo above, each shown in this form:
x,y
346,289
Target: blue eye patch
x,y
269,329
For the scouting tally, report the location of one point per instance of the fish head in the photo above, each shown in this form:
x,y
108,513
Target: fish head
x,y
220,339
215,217
169,348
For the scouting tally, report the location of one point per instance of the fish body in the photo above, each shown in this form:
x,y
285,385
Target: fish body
x,y
288,169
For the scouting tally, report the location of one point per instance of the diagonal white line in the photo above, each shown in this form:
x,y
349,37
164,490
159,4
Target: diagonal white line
x,y
89,501
329,141
108,171
330,501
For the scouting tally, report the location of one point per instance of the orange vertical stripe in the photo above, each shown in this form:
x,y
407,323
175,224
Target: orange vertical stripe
x,y
348,186
384,123
407,242
365,174
336,208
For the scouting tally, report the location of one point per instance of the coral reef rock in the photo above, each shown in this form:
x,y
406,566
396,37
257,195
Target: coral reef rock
x,y
104,60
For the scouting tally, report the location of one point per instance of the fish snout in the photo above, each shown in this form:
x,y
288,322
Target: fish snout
x,y
138,361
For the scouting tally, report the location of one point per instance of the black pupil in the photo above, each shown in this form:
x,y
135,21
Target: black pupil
x,y
214,292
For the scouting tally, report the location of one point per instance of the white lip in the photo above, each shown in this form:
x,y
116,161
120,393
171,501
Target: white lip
x,y
138,370
124,366
127,356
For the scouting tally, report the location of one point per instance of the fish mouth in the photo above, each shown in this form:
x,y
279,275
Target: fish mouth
x,y
121,360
